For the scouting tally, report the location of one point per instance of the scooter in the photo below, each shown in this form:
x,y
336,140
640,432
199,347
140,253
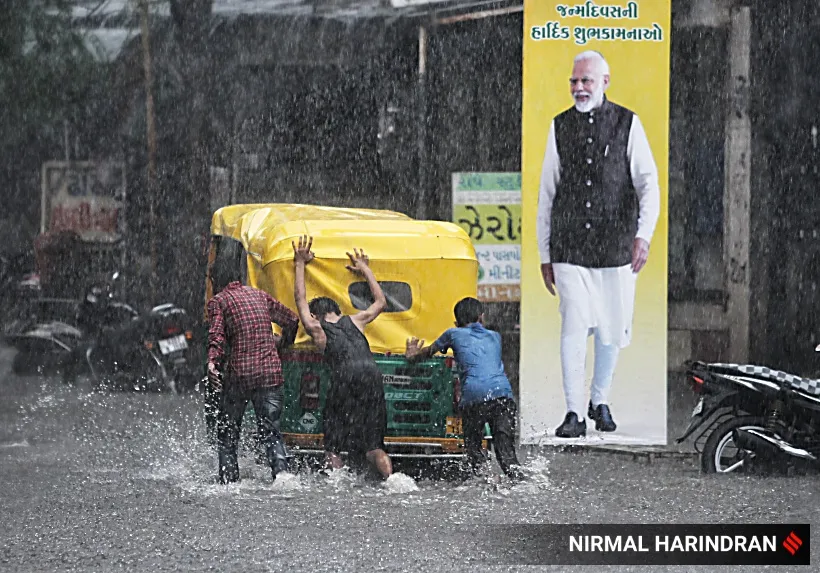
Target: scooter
x,y
753,416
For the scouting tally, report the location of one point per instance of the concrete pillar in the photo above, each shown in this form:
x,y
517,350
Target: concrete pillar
x,y
737,192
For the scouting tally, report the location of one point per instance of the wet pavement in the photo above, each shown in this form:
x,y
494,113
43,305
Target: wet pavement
x,y
125,481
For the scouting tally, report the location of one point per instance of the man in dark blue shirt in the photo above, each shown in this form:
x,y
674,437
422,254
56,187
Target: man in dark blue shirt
x,y
486,394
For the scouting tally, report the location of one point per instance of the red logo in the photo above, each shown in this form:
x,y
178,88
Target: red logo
x,y
792,543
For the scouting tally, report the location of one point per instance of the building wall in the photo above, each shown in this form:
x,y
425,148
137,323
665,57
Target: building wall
x,y
698,108
322,111
311,125
315,132
786,180
474,124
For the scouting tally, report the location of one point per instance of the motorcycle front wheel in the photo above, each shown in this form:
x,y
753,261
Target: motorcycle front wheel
x,y
721,455
144,372
152,374
186,382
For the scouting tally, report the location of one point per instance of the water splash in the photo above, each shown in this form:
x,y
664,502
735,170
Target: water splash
x,y
536,475
400,483
287,482
341,479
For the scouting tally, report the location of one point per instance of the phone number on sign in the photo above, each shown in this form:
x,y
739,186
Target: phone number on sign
x,y
499,293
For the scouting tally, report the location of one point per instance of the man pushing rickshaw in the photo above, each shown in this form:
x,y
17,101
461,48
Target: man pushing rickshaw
x,y
418,269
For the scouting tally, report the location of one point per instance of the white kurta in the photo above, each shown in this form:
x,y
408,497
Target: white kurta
x,y
601,299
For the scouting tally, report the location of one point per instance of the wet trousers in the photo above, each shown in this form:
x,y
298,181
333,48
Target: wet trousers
x,y
500,414
267,404
213,400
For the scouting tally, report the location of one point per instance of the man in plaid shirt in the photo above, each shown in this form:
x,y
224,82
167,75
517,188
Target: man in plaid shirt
x,y
241,344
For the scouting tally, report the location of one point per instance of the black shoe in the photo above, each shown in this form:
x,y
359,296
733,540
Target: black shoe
x,y
571,428
603,418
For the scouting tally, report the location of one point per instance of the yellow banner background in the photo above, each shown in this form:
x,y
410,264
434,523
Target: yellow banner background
x,y
639,80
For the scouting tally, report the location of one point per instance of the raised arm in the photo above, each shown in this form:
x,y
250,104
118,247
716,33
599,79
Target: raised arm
x,y
360,265
302,255
417,351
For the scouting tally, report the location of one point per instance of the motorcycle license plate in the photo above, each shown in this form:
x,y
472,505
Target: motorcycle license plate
x,y
698,409
169,345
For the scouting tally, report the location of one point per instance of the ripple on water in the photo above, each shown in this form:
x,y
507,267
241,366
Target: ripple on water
x,y
162,440
20,444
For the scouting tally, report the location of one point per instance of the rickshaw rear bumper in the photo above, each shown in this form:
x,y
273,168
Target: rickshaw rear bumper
x,y
396,447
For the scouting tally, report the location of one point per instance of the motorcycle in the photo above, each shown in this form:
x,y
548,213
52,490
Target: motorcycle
x,y
44,333
19,289
168,329
152,351
753,416
109,340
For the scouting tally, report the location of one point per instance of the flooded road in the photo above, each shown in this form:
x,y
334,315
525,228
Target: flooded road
x,y
125,481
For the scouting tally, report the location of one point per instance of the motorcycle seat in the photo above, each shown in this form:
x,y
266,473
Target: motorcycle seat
x,y
808,385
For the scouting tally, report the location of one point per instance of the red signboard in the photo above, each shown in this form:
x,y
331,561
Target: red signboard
x,y
85,197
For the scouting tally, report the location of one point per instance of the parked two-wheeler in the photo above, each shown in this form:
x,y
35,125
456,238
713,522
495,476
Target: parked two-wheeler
x,y
752,416
153,351
109,340
167,333
44,332
19,287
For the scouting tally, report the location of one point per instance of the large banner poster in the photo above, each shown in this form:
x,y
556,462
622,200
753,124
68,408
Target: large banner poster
x,y
594,194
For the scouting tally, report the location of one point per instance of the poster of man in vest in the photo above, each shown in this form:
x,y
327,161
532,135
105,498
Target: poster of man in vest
x,y
594,174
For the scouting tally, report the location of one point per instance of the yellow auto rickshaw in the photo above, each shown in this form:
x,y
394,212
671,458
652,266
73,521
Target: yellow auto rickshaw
x,y
424,268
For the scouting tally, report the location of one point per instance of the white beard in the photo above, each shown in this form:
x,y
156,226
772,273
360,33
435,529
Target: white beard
x,y
594,101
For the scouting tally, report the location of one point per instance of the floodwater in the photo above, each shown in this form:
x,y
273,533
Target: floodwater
x,y
125,481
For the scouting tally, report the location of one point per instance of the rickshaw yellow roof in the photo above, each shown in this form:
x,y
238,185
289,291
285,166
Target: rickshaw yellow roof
x,y
228,221
436,261
267,231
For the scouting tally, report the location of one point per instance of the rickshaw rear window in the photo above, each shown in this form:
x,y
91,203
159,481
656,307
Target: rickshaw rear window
x,y
399,296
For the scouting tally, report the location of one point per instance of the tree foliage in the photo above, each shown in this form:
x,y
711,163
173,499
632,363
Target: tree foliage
x,y
48,75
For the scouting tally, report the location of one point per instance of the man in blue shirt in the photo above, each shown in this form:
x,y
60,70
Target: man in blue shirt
x,y
486,395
